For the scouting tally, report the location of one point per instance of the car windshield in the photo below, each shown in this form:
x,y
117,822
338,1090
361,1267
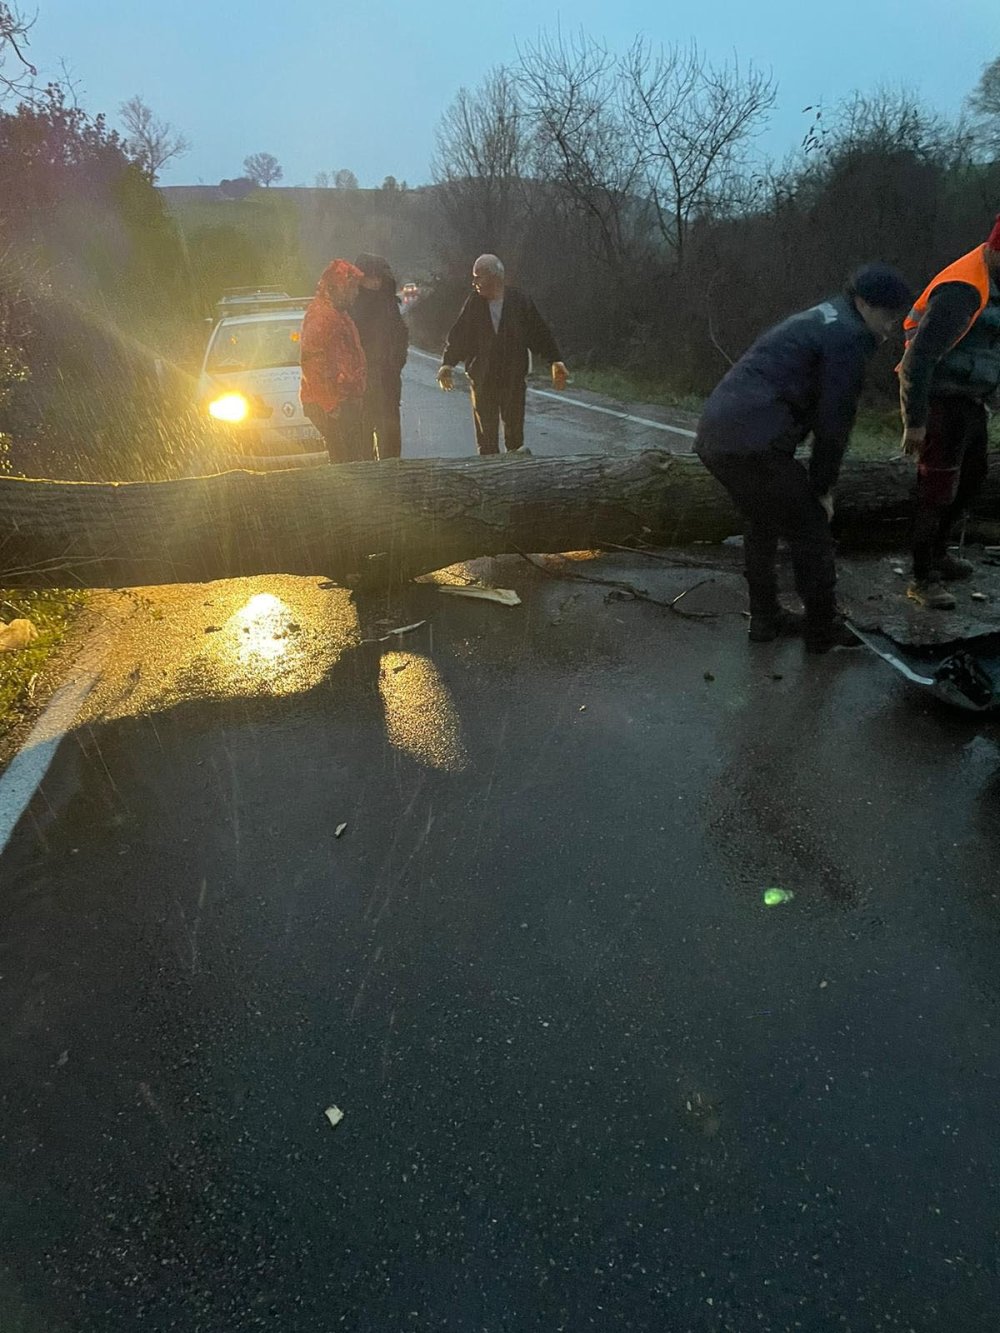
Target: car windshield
x,y
257,345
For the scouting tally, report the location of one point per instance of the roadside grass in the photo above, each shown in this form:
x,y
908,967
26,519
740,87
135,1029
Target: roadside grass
x,y
634,389
52,613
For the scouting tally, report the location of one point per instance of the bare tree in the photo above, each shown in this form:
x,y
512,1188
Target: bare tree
x,y
17,73
692,123
322,180
152,142
480,164
263,168
984,104
345,180
573,93
887,121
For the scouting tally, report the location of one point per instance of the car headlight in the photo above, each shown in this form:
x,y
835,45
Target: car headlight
x,y
231,407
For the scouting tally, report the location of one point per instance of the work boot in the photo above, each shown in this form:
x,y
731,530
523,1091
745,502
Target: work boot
x,y
932,594
822,635
775,625
951,568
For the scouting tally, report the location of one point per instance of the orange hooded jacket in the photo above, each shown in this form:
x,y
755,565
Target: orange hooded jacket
x,y
333,363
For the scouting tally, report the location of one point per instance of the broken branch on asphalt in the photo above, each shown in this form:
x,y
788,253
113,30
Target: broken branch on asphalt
x,y
620,585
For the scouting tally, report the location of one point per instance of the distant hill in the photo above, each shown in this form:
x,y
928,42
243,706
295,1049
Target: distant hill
x,y
292,233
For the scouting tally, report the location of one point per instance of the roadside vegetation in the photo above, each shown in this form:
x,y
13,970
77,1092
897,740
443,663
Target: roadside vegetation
x,y
22,672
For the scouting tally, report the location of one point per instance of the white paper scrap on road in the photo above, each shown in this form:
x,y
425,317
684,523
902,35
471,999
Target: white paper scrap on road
x,y
334,1114
505,596
397,633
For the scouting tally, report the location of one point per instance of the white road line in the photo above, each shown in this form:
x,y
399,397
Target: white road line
x,y
593,407
610,412
26,771
29,766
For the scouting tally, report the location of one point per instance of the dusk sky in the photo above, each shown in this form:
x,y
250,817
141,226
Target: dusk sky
x,y
324,86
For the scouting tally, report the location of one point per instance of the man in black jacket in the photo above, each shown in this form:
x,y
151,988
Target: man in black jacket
x,y
496,329
384,338
803,377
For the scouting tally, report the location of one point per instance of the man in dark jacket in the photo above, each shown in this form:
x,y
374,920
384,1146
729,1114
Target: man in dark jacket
x,y
803,377
496,329
948,374
383,334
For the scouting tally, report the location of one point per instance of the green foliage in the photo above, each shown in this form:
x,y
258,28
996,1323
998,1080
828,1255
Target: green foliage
x,y
94,281
241,242
51,612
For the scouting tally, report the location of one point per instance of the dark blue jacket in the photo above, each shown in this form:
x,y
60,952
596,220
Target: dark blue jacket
x,y
802,377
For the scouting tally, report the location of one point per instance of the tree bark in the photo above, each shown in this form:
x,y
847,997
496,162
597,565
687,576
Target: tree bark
x,y
380,522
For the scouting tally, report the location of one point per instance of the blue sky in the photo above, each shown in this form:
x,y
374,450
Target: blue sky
x,y
329,85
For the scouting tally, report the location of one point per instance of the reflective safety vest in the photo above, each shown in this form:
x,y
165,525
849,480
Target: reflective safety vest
x,y
970,269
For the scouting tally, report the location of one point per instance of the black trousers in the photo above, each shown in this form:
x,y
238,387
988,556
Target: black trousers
x,y
493,403
382,398
342,431
950,474
773,493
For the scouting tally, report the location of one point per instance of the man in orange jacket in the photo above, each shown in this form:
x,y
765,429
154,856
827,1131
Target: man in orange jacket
x,y
333,364
949,372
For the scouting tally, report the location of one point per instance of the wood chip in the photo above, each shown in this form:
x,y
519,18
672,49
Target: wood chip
x,y
505,596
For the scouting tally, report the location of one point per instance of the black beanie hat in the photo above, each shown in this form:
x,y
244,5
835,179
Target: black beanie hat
x,y
881,286
373,266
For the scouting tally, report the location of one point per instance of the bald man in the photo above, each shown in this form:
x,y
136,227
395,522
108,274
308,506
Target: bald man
x,y
496,329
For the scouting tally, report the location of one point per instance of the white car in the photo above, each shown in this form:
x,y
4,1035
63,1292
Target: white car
x,y
248,390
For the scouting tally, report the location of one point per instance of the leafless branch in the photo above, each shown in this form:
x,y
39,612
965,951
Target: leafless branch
x,y
620,585
692,123
19,79
152,142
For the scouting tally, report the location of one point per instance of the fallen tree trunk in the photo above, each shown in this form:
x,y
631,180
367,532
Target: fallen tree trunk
x,y
381,522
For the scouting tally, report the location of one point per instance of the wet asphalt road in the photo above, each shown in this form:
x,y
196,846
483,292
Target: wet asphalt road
x,y
589,1080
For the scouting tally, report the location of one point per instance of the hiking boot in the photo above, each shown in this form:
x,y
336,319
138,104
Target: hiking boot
x,y
779,624
823,635
931,594
952,567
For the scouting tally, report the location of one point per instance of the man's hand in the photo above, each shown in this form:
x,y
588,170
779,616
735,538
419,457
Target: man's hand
x,y
913,439
827,502
559,375
446,379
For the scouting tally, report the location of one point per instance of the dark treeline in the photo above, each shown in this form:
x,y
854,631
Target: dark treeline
x,y
626,191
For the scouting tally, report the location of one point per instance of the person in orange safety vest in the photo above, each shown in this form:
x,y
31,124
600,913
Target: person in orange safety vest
x,y
949,373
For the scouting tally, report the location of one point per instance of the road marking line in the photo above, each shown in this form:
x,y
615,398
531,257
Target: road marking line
x,y
610,412
593,407
26,771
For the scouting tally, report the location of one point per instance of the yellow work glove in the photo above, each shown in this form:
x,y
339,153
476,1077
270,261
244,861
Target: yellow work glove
x,y
559,375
